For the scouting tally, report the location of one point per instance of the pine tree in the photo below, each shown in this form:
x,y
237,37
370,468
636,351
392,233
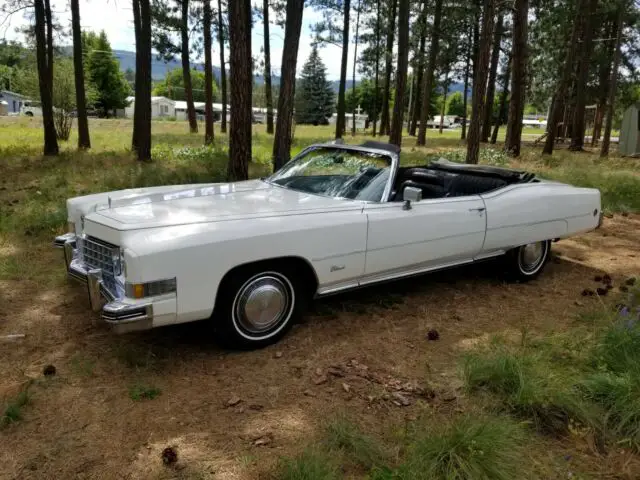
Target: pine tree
x,y
314,95
105,76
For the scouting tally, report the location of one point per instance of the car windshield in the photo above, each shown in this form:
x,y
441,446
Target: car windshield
x,y
336,172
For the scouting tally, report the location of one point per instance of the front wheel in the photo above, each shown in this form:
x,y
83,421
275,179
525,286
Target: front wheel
x,y
525,262
257,306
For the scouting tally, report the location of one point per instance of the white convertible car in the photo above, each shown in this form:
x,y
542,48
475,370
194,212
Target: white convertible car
x,y
248,255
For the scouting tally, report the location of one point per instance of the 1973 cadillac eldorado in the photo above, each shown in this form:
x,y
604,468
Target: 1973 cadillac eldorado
x,y
248,255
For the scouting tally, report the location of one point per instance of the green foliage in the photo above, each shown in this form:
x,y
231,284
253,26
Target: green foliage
x,y
13,409
365,98
312,464
143,392
314,95
472,447
172,86
344,436
455,104
103,72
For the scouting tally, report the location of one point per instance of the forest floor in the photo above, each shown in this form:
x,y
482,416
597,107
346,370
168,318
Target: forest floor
x,y
346,394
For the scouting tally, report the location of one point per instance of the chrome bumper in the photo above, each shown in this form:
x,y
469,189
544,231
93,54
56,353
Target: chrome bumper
x,y
114,310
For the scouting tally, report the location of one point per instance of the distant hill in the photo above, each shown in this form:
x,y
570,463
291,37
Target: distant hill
x,y
159,69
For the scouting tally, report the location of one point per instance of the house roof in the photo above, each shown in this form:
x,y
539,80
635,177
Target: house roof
x,y
13,94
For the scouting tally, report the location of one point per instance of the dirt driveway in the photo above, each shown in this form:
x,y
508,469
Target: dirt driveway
x,y
233,414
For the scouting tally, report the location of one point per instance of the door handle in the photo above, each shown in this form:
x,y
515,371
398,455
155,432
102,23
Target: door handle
x,y
479,209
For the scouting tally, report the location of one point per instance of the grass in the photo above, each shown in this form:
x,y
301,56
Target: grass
x,y
526,386
482,448
13,410
140,392
346,438
588,377
312,464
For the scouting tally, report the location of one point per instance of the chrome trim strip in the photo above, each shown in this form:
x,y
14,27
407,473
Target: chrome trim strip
x,y
117,313
396,275
426,242
338,255
61,240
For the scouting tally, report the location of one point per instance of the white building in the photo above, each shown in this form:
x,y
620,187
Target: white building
x,y
361,120
160,107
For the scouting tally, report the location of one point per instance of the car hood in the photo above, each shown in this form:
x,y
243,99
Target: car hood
x,y
209,203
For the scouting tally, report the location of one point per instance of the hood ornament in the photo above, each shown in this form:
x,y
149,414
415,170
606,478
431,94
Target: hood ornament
x,y
82,222
109,200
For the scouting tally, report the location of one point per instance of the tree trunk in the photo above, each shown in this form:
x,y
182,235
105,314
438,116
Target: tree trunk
x,y
480,82
415,116
241,88
476,37
49,24
142,109
282,140
388,67
44,66
465,94
613,84
603,84
563,83
208,74
444,100
223,71
377,74
493,74
519,59
427,81
340,123
186,68
502,111
84,141
578,127
267,66
395,137
353,78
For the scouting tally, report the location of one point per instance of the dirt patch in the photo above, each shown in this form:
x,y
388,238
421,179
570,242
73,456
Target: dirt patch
x,y
233,414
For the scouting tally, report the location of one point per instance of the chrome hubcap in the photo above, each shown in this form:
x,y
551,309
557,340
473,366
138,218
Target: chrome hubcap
x,y
261,304
531,256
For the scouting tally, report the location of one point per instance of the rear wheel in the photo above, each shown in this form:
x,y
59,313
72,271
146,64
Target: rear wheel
x,y
257,306
525,262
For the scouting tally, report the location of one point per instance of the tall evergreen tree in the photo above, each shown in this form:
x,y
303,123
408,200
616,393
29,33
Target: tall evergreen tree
x,y
84,141
166,21
397,122
314,95
241,89
519,62
44,55
208,73
282,138
104,73
223,69
427,82
141,138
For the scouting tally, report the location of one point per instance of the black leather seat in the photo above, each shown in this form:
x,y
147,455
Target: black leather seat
x,y
472,185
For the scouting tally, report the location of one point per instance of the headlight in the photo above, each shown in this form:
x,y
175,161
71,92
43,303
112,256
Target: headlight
x,y
150,289
119,266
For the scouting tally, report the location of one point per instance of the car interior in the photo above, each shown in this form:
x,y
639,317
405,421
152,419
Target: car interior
x,y
442,179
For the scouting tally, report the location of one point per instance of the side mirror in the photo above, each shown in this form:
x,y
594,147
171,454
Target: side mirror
x,y
410,194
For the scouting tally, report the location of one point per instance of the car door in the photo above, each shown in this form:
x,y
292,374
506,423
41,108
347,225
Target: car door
x,y
433,233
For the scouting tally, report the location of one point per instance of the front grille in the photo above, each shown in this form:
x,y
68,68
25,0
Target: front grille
x,y
101,255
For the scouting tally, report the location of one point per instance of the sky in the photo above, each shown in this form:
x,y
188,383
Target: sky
x,y
115,17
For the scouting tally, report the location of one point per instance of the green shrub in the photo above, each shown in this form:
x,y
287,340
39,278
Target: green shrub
x,y
619,349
